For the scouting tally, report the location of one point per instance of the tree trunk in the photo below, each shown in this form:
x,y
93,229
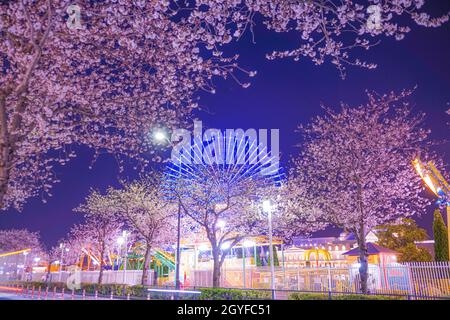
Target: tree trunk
x,y
216,267
363,269
47,277
147,258
100,275
4,151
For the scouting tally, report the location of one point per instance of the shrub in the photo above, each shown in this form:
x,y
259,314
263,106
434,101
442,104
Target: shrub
x,y
137,291
321,296
307,296
37,284
366,297
232,294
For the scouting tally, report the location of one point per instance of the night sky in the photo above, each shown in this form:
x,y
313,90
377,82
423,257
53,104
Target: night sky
x,y
282,95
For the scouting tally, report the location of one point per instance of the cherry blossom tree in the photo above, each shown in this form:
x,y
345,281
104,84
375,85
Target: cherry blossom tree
x,y
65,253
297,213
102,74
104,82
223,205
73,248
330,30
52,255
19,239
355,165
143,207
100,231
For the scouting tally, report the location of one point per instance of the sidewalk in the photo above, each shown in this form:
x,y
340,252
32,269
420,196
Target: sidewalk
x,y
13,293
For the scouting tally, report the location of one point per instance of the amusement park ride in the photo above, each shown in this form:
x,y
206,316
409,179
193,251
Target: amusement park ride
x,y
437,184
162,262
251,251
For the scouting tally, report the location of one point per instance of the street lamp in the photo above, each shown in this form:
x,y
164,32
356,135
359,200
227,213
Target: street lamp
x,y
25,254
123,240
225,245
120,241
63,248
177,262
220,224
161,136
267,208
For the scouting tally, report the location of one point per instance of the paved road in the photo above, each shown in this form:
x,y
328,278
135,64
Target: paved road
x,y
10,296
11,293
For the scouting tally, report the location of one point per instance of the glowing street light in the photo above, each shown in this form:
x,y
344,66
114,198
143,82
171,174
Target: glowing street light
x,y
25,254
267,206
225,246
120,240
63,248
220,224
160,136
123,240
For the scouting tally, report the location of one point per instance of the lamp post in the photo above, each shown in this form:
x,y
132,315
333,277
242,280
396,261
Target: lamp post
x,y
177,265
267,207
25,254
161,136
122,240
36,260
62,247
243,266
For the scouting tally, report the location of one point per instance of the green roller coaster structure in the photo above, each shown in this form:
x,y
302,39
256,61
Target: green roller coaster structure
x,y
162,262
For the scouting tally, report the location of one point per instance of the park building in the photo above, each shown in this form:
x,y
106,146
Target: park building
x,y
334,251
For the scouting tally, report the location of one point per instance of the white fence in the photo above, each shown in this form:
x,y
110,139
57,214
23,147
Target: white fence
x,y
129,277
419,279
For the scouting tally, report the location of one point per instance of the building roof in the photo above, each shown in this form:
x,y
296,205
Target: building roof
x,y
372,248
313,241
344,238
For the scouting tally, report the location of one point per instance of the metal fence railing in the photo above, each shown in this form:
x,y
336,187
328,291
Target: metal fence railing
x,y
428,279
414,279
36,291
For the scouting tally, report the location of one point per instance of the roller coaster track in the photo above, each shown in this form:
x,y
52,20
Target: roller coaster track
x,y
165,258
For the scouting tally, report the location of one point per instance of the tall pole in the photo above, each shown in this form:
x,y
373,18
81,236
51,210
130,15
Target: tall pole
x,y
243,264
177,265
24,270
61,261
125,235
272,267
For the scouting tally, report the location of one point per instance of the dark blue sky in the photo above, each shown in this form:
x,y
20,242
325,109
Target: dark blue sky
x,y
282,95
